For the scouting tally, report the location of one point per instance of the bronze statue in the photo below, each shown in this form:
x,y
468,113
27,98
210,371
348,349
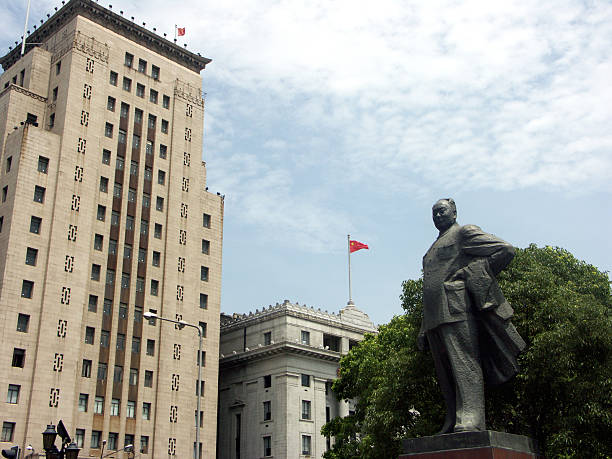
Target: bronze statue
x,y
466,319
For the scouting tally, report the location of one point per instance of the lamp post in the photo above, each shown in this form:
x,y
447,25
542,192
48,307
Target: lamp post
x,y
182,324
69,448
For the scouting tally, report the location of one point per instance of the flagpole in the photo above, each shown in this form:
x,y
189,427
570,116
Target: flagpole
x,y
348,238
175,28
25,28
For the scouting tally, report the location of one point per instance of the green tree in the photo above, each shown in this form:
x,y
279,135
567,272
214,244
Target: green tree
x,y
562,397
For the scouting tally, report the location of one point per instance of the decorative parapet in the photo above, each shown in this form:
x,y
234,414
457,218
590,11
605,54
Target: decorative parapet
x,y
189,93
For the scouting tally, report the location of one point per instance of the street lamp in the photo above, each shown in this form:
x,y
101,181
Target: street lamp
x,y
69,449
128,448
182,324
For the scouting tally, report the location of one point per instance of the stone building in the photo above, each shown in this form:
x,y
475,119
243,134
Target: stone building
x,y
276,369
105,215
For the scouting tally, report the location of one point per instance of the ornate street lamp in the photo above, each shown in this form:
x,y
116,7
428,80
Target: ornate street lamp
x,y
49,436
69,449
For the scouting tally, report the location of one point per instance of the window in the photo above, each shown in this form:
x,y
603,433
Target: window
x,y
135,345
152,121
122,140
1,222
4,193
149,147
13,393
83,402
306,442
35,223
113,440
89,335
205,246
137,314
267,338
110,103
114,409
99,400
267,379
142,257
159,204
101,215
120,341
154,287
305,337
148,173
31,255
163,151
80,437
43,164
155,261
107,309
26,289
157,233
125,280
104,338
55,91
153,96
142,66
267,411
150,347
106,156
98,242
23,322
154,72
305,409
144,444
138,116
146,411
129,223
118,373
166,101
86,369
164,127
18,357
110,276
129,60
146,200
148,382
140,90
267,444
203,301
104,184
108,130
113,78
134,375
95,272
206,220
161,177
204,273
127,251
96,435
144,227
92,305
125,110
39,194
8,428
9,161
58,67
127,84
305,380
136,143
130,409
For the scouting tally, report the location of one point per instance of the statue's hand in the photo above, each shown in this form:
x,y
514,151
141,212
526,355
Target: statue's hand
x,y
422,343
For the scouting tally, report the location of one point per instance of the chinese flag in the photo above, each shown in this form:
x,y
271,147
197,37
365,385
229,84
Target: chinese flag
x,y
356,245
181,31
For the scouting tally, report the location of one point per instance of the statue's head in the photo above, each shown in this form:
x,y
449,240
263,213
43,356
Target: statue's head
x,y
444,213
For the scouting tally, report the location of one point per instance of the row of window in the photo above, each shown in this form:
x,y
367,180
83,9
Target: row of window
x,y
306,445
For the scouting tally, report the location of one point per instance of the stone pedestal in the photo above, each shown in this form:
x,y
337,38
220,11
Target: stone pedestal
x,y
487,444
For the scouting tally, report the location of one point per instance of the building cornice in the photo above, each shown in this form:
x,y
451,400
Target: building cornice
x,y
16,88
112,21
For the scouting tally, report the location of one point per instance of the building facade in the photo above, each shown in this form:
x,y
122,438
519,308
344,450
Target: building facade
x,y
105,216
276,370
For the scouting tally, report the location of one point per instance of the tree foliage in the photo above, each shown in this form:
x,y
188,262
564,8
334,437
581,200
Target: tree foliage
x,y
562,397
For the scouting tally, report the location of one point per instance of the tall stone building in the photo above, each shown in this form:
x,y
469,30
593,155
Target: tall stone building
x,y
105,215
276,370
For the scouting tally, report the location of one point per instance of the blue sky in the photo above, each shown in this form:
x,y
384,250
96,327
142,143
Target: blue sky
x,y
331,117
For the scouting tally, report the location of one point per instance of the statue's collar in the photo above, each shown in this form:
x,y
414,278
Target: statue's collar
x,y
448,229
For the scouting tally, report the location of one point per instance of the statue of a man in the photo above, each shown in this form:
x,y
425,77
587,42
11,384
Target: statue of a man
x,y
466,319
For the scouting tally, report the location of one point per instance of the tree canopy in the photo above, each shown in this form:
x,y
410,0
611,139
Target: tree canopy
x,y
562,397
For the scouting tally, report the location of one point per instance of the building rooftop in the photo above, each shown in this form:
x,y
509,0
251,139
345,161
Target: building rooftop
x,y
113,21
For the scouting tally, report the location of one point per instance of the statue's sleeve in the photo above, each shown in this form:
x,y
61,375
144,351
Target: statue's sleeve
x,y
476,243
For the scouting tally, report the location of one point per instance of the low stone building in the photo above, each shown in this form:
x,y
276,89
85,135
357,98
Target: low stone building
x,y
276,370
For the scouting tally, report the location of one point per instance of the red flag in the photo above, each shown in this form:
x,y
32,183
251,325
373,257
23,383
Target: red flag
x,y
356,245
181,31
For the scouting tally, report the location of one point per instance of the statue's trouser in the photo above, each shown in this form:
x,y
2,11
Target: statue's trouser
x,y
456,356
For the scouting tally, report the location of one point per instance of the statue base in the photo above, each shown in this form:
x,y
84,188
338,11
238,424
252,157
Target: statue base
x,y
487,444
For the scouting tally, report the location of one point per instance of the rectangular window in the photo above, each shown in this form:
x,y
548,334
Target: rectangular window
x,y
9,161
95,272
13,394
159,204
306,409
104,184
8,429
125,110
122,139
144,227
267,380
140,283
146,200
110,103
98,241
127,84
164,127
150,347
137,314
305,380
166,101
55,91
140,90
80,437
267,410
108,130
113,78
130,409
138,116
89,335
129,223
86,369
153,96
205,246
23,322
203,327
163,151
155,261
35,223
148,382
101,214
110,276
120,341
306,443
149,147
125,280
113,440
118,373
43,164
104,338
31,256
106,157
204,273
142,257
306,337
99,401
142,66
4,193
134,374
267,446
206,220
203,301
96,435
92,305
148,173
136,143
146,411
144,444
154,72
135,345
161,177
122,310
39,194
132,195
157,233
129,60
152,121
18,357
267,338
27,287
83,402
107,309
114,408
